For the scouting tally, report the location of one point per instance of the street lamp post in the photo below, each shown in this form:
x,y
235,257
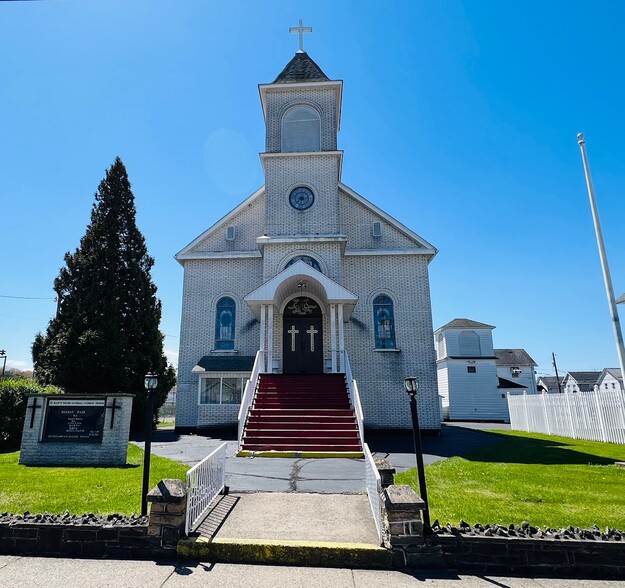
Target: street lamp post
x,y
150,382
412,386
3,356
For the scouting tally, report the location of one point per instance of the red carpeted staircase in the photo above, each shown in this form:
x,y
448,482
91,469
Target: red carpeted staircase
x,y
300,413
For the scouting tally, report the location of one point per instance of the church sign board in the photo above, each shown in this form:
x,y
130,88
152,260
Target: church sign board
x,y
74,420
74,429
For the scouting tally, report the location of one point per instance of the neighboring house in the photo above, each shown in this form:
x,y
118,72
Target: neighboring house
x,y
580,381
516,365
610,379
473,377
307,273
549,384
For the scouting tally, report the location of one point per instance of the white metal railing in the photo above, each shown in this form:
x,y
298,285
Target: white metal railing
x,y
205,480
596,415
248,394
354,396
374,488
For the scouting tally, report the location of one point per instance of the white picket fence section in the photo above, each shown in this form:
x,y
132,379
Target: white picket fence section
x,y
205,480
597,415
374,488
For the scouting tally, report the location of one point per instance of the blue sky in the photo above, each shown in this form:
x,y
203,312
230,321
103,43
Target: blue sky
x,y
459,119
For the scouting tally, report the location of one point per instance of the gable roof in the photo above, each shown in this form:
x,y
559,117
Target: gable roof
x,y
549,382
463,323
513,357
185,252
614,372
584,377
301,69
420,241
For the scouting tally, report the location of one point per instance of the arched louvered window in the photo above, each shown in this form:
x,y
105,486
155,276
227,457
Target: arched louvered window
x,y
301,130
384,322
469,344
224,323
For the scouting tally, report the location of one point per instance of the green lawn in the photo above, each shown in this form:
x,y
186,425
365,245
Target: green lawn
x,y
80,489
548,481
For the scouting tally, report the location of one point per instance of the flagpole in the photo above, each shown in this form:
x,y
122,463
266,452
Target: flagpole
x,y
607,279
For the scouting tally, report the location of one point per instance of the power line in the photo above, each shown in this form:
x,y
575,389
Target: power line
x,y
25,297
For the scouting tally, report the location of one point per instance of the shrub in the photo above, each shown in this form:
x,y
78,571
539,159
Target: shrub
x,y
13,399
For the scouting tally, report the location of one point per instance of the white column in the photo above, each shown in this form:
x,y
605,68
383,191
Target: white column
x,y
333,336
263,334
341,339
270,340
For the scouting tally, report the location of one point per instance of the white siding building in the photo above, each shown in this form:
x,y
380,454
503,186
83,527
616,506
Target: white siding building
x,y
305,244
473,377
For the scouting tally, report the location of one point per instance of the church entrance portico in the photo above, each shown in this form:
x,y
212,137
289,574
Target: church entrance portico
x,y
302,298
302,340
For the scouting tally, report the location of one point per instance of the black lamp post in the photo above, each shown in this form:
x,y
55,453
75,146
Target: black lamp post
x,y
3,356
150,382
412,386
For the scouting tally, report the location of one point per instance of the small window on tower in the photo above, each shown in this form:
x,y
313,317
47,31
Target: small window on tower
x,y
471,369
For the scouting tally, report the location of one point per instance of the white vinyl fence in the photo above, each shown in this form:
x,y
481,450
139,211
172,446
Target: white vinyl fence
x,y
598,415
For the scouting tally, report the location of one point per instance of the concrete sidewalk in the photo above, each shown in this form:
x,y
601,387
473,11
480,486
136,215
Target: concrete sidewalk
x,y
40,572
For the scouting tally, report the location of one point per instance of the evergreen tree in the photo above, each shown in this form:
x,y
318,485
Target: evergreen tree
x,y
105,336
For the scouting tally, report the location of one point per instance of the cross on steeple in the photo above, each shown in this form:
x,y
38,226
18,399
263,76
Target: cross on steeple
x,y
300,30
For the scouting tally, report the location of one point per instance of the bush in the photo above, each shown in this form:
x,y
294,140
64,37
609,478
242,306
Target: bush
x,y
13,399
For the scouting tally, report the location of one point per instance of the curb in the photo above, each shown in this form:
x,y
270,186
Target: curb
x,y
283,552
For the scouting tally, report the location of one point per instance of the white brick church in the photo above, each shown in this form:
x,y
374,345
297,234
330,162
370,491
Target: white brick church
x,y
306,278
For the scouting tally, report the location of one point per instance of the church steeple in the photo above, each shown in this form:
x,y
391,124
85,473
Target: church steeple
x,y
301,69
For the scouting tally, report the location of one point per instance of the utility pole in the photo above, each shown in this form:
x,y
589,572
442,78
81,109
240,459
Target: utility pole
x,y
555,366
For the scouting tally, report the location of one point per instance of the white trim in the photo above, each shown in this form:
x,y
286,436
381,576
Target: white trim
x,y
389,219
374,252
387,350
338,154
218,255
222,221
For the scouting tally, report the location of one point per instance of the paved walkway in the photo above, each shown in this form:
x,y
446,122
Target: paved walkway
x,y
41,572
328,476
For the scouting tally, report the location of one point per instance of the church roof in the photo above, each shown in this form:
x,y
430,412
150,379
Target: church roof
x,y
513,357
463,323
301,69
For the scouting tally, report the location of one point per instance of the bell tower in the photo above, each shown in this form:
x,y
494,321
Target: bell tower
x,y
301,162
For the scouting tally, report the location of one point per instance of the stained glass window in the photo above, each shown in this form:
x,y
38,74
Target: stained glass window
x,y
307,260
384,322
224,324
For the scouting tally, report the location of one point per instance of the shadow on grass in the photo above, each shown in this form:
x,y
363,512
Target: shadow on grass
x,y
523,450
485,446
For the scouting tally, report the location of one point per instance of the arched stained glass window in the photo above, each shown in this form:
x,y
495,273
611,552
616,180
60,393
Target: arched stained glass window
x,y
384,322
224,323
301,130
311,261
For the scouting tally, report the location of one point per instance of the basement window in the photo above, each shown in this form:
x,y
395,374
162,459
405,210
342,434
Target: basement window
x,y
221,389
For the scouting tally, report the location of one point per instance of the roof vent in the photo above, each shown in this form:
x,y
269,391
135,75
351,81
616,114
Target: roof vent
x,y
231,233
376,229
